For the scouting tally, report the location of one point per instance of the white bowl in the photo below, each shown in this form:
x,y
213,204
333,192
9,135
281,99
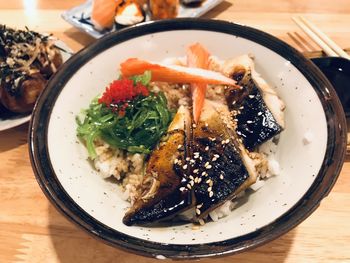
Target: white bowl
x,y
308,170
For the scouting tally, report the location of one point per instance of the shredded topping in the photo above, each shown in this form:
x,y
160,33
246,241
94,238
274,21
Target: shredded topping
x,y
22,54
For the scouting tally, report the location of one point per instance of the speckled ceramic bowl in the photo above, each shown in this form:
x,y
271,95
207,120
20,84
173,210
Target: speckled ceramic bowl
x,y
308,171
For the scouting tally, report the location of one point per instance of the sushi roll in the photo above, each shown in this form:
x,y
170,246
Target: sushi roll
x,y
129,13
103,12
164,9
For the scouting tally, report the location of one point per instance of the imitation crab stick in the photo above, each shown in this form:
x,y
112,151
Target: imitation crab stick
x,y
173,73
103,13
198,57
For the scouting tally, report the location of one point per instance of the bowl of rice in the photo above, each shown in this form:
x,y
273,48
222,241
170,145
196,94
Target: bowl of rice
x,y
94,182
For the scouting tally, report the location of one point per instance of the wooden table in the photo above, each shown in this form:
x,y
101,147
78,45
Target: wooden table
x,y
31,230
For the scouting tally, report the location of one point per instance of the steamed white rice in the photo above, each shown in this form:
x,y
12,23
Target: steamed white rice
x,y
127,168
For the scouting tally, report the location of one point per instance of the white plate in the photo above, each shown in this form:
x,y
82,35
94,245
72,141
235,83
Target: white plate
x,y
11,120
80,16
308,171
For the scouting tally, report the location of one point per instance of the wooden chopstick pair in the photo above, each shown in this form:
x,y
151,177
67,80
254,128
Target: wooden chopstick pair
x,y
320,38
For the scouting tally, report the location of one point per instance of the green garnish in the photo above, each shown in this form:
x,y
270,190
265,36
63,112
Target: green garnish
x,y
144,121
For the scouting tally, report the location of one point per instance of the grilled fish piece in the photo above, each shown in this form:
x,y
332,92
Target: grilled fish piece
x,y
220,165
163,193
256,108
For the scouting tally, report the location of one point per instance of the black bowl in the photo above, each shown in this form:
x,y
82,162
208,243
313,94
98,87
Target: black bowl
x,y
337,70
321,185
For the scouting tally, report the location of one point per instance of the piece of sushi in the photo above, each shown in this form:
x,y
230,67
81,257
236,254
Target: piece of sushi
x,y
103,13
129,13
256,108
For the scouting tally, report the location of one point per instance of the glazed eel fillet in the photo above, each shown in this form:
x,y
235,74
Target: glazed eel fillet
x,y
256,108
160,196
198,166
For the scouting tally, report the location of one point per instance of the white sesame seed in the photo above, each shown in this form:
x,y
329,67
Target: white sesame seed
x,y
179,146
259,113
195,171
204,173
206,164
191,183
241,108
184,167
182,189
233,102
251,96
192,161
227,141
198,212
199,180
209,167
216,155
209,189
194,125
208,181
221,176
196,180
191,177
211,194
200,205
239,133
188,158
200,158
189,186
176,161
249,121
207,148
211,183
201,222
214,159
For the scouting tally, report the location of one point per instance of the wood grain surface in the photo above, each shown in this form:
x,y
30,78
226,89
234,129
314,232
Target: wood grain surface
x,y
31,230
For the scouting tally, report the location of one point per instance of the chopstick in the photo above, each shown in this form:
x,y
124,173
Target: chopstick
x,y
320,38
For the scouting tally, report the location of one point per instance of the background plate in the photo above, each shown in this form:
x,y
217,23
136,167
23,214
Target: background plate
x,y
10,120
79,16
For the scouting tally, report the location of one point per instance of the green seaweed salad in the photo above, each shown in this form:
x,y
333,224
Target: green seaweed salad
x,y
127,116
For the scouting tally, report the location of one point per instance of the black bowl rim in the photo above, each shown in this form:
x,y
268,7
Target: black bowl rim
x,y
324,181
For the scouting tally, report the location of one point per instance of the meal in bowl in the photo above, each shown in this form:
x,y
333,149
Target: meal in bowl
x,y
27,60
186,137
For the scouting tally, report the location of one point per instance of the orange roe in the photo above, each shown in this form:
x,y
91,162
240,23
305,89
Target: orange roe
x,y
121,91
